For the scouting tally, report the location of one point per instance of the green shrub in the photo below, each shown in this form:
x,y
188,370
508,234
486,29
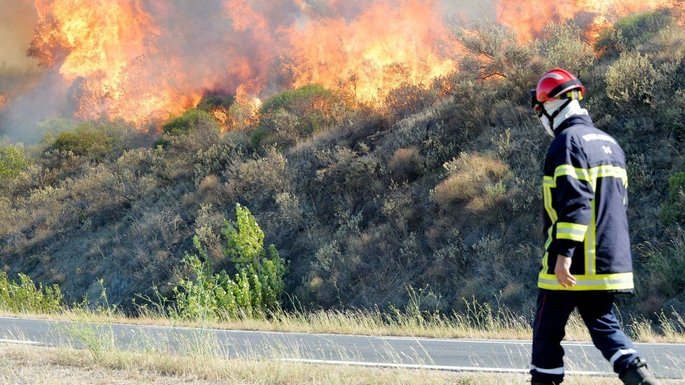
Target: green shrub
x,y
408,99
213,101
12,162
664,276
85,140
632,31
673,210
253,291
674,114
24,296
279,127
297,113
632,80
297,99
564,47
191,119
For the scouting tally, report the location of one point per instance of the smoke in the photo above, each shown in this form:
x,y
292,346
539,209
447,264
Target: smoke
x,y
467,11
17,19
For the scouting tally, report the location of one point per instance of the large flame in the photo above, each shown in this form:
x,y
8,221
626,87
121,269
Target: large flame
x,y
146,60
371,55
125,59
102,50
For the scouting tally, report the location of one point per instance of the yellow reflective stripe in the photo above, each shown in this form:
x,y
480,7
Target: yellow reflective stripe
x,y
574,172
590,243
617,281
572,231
547,199
545,258
608,171
591,175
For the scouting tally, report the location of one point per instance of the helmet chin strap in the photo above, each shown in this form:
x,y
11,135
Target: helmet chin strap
x,y
549,128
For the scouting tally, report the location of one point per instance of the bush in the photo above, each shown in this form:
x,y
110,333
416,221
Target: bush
x,y
564,47
24,296
631,31
297,114
493,54
406,164
664,276
474,180
191,119
85,140
280,127
408,99
254,291
631,81
298,100
12,162
674,114
218,105
212,101
257,181
673,211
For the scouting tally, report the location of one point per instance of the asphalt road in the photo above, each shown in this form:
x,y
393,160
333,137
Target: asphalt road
x,y
666,360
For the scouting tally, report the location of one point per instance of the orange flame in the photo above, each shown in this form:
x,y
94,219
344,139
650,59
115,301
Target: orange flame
x,y
146,60
110,53
107,44
370,54
528,19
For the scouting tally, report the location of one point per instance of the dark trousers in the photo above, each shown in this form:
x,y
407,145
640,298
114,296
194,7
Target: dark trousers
x,y
597,310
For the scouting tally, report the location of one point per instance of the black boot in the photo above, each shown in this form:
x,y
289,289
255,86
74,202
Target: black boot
x,y
638,374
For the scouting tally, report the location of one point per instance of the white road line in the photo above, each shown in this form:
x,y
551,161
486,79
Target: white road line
x,y
19,342
434,367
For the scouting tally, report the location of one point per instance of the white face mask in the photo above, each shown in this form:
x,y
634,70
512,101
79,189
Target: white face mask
x,y
571,109
546,125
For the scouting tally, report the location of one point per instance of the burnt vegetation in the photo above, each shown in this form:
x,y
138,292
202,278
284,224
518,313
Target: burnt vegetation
x,y
437,189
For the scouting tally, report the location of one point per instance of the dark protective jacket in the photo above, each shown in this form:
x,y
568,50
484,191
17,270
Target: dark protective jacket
x,y
585,195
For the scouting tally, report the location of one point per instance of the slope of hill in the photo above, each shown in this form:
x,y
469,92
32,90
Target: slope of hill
x,y
437,190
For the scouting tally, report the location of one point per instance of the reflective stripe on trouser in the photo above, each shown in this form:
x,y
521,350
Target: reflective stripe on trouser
x,y
596,309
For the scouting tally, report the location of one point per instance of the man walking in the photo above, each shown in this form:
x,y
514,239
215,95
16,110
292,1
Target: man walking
x,y
587,256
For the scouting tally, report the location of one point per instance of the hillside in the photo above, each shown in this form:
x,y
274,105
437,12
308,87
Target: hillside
x,y
436,188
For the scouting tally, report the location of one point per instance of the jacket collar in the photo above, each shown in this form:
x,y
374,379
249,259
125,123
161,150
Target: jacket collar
x,y
572,121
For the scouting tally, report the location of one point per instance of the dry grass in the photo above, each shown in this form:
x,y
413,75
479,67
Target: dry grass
x,y
50,366
478,323
473,179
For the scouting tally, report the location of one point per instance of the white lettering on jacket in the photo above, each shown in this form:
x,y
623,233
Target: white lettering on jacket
x,y
602,137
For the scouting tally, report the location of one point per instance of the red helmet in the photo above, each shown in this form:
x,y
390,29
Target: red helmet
x,y
556,84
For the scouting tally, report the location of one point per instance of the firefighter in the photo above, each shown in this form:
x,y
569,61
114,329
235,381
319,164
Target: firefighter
x,y
587,258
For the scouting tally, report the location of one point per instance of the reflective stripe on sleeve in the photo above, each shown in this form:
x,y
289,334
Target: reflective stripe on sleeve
x,y
609,171
571,231
591,176
573,172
